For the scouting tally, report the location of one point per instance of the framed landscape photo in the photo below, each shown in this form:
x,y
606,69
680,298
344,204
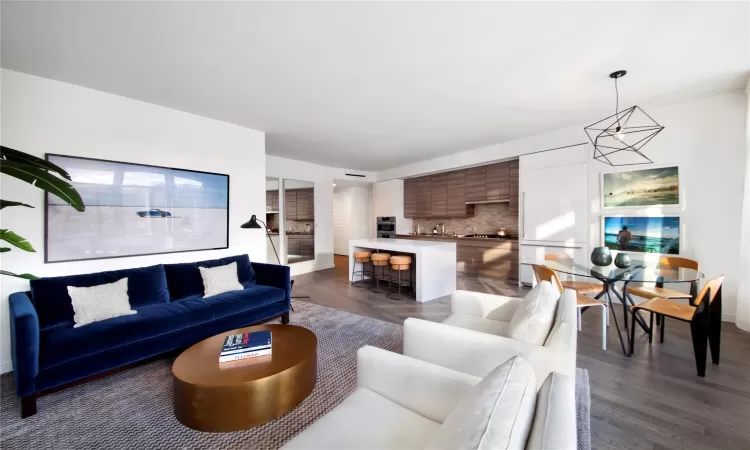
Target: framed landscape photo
x,y
135,209
660,235
638,188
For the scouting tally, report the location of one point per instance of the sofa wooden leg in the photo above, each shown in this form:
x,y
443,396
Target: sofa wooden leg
x,y
28,406
285,318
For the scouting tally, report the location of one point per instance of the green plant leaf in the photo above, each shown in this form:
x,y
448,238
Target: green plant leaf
x,y
9,154
4,249
14,239
7,203
43,180
25,276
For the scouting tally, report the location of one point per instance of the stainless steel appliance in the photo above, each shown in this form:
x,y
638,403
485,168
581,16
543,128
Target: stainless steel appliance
x,y
386,227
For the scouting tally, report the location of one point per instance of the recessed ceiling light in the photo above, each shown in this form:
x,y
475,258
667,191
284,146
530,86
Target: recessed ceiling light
x,y
334,184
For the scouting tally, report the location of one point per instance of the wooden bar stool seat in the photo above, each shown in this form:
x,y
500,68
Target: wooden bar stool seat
x,y
362,258
380,260
400,264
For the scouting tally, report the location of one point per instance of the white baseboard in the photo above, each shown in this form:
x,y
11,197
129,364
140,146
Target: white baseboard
x,y
6,366
726,317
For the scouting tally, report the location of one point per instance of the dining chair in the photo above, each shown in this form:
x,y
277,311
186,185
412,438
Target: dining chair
x,y
704,319
582,287
545,274
660,291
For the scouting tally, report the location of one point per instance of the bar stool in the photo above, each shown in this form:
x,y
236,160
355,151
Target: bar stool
x,y
361,258
400,264
379,260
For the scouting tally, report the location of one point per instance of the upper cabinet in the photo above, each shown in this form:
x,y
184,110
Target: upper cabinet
x,y
299,204
453,194
272,201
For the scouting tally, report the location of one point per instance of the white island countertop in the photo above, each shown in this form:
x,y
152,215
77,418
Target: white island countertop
x,y
435,268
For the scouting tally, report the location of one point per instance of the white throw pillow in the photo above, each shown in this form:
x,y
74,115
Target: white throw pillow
x,y
535,315
92,304
496,414
218,280
554,426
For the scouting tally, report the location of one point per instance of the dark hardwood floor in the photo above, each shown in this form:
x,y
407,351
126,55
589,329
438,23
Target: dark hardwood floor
x,y
653,400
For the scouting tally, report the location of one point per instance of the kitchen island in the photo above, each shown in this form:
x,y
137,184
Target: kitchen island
x,y
435,263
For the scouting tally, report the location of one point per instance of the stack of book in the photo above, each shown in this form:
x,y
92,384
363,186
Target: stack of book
x,y
246,345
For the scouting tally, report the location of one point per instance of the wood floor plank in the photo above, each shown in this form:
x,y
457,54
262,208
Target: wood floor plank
x,y
653,400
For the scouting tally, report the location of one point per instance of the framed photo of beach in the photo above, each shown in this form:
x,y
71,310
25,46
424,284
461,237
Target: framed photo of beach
x,y
658,186
642,234
135,209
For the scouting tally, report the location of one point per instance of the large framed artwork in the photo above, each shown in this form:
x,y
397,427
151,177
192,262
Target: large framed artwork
x,y
642,234
135,209
637,188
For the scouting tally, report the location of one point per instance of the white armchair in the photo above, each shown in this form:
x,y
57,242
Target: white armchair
x,y
476,341
404,403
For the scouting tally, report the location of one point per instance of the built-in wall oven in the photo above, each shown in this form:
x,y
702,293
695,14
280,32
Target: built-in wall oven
x,y
386,227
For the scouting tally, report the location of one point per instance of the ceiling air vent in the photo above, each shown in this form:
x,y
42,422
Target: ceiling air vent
x,y
354,175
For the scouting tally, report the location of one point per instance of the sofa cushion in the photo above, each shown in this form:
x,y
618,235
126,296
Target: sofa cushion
x,y
95,303
235,302
146,286
554,424
217,280
184,279
61,342
480,324
535,315
496,414
366,420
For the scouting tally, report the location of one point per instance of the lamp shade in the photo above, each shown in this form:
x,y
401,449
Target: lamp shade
x,y
252,223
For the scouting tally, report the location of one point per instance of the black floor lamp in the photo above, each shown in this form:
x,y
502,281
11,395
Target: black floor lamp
x,y
253,223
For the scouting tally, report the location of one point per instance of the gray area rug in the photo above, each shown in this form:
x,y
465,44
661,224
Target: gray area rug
x,y
133,409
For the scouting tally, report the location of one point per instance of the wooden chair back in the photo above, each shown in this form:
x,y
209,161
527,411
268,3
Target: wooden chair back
x,y
711,288
676,261
556,256
544,274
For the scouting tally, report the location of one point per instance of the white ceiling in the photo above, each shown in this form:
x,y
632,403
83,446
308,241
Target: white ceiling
x,y
371,86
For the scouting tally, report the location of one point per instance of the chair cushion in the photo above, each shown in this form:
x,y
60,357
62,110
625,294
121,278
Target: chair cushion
x,y
62,343
146,286
535,314
184,279
234,302
496,414
478,324
554,425
366,420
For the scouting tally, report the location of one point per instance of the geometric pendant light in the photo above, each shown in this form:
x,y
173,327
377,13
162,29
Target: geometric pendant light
x,y
619,138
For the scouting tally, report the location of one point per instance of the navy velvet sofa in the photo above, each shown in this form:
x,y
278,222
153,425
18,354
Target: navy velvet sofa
x,y
49,354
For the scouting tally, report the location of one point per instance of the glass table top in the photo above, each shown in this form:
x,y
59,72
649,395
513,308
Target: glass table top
x,y
641,271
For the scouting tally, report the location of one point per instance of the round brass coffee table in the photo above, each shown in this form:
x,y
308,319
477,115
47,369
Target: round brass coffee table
x,y
236,395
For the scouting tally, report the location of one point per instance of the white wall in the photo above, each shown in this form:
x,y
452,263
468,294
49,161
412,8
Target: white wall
x,y
43,116
352,216
388,200
705,137
322,177
743,294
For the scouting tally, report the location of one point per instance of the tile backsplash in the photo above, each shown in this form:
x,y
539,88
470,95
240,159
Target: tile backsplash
x,y
487,219
291,225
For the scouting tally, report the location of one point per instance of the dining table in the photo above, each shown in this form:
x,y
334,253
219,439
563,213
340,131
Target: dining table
x,y
640,271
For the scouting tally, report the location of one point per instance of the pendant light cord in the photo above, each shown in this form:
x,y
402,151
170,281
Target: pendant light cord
x,y
617,105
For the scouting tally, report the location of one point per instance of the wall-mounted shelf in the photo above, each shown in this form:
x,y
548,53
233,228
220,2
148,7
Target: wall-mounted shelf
x,y
272,212
485,202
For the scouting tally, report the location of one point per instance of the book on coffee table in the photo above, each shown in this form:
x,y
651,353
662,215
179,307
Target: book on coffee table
x,y
245,345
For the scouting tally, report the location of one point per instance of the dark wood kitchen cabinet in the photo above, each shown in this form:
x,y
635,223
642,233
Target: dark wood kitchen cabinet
x,y
299,204
272,201
424,197
290,204
457,207
497,181
513,187
439,199
476,184
410,198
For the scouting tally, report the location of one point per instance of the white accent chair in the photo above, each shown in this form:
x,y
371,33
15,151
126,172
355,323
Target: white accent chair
x,y
473,339
405,403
